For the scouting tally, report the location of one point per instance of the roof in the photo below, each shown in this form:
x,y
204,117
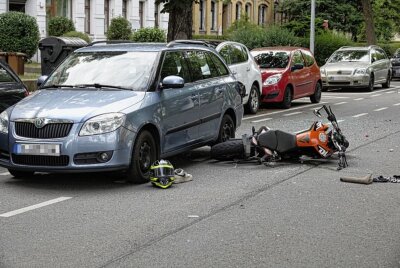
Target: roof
x,y
130,46
358,47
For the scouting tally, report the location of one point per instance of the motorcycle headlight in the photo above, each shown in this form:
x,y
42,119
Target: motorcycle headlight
x,y
102,124
360,71
272,80
4,122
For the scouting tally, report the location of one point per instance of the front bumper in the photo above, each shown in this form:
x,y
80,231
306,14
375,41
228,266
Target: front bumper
x,y
117,143
345,81
396,71
272,93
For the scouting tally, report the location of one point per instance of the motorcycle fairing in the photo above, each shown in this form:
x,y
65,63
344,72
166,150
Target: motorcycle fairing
x,y
277,140
315,137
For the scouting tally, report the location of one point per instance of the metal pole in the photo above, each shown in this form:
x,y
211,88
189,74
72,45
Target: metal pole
x,y
312,26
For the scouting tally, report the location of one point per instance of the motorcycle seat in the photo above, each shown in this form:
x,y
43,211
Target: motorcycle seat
x,y
277,140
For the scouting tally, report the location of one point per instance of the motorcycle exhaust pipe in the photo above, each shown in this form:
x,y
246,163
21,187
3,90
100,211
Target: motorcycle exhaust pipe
x,y
363,180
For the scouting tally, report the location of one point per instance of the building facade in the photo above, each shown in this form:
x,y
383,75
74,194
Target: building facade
x,y
90,16
213,17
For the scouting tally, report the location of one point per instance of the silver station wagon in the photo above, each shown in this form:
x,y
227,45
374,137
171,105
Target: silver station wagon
x,y
357,67
114,107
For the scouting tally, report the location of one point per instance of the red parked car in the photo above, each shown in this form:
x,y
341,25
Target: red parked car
x,y
288,73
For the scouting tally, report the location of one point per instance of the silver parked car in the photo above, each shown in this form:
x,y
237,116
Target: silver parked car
x,y
357,67
396,64
121,107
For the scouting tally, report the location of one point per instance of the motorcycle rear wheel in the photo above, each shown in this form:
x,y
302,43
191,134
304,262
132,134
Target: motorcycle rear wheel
x,y
228,150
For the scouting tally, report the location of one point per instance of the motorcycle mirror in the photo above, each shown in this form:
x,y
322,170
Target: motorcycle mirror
x,y
253,129
317,113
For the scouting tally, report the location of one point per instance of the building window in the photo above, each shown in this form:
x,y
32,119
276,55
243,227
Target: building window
x,y
16,6
141,14
202,14
124,8
106,15
87,16
238,10
262,14
213,16
61,8
248,10
156,23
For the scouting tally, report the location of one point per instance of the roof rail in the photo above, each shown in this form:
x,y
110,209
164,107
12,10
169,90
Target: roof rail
x,y
344,47
188,42
106,42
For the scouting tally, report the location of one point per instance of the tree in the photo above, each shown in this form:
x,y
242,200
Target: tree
x,y
369,22
180,18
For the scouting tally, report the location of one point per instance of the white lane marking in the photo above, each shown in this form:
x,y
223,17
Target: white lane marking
x,y
292,113
376,95
380,109
5,174
340,103
359,99
261,120
22,210
389,92
284,111
334,97
397,104
358,115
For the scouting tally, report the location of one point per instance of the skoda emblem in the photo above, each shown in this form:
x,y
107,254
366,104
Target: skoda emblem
x,y
39,122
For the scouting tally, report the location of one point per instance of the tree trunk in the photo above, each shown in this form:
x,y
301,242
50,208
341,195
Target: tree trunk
x,y
369,22
180,22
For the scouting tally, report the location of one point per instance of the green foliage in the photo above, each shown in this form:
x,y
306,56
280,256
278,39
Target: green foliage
x,y
81,35
19,33
327,43
386,17
210,37
120,29
254,36
60,25
149,35
389,48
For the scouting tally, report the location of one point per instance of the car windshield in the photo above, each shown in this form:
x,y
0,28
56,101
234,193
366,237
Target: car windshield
x,y
271,59
119,69
350,55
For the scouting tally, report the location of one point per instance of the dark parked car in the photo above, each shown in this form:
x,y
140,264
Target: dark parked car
x,y
12,89
396,64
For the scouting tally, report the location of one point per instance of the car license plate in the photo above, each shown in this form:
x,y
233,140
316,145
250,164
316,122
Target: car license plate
x,y
37,149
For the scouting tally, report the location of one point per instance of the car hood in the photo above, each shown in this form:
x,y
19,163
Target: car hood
x,y
265,73
75,105
345,65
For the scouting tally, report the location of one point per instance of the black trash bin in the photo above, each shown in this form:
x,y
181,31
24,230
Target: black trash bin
x,y
55,49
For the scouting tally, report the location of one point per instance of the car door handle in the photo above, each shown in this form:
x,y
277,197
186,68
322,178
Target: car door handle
x,y
194,97
248,69
234,73
219,91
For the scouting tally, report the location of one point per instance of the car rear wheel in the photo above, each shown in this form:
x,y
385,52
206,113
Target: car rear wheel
x,y
287,98
371,83
145,153
254,100
227,129
387,83
17,174
316,97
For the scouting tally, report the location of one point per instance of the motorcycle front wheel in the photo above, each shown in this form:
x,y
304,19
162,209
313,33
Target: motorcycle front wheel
x,y
228,150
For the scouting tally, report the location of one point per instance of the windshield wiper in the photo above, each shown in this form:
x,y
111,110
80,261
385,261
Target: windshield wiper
x,y
56,86
96,85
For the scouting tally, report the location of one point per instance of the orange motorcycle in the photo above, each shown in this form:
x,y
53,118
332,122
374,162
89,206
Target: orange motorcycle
x,y
267,145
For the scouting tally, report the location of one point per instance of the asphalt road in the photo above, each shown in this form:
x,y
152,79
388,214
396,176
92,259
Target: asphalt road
x,y
230,215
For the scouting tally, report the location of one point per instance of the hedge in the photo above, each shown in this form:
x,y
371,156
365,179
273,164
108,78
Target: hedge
x,y
60,25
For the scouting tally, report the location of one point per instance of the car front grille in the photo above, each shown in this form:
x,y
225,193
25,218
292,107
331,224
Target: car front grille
x,y
49,131
343,72
41,160
339,83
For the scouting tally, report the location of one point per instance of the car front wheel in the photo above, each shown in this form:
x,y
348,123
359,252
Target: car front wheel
x,y
387,83
254,100
287,98
371,83
145,153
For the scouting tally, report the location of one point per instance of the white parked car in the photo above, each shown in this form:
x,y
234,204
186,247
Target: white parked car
x,y
242,65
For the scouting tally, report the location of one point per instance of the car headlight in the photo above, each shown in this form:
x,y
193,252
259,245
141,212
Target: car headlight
x,y
360,71
322,71
102,124
4,122
273,79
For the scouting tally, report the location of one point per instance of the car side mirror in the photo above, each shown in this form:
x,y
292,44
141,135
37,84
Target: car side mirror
x,y
173,81
41,80
241,89
297,66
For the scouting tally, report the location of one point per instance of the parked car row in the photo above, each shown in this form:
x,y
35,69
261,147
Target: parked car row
x,y
120,107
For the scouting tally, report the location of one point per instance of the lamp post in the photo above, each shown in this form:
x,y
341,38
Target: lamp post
x,y
312,26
